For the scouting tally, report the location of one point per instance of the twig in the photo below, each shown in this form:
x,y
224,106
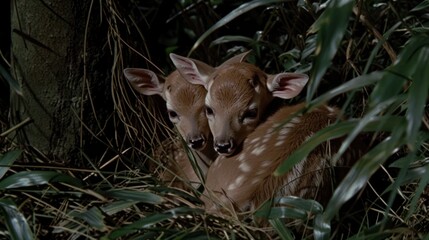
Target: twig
x,y
18,126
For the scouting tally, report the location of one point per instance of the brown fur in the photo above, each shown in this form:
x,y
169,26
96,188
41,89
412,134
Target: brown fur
x,y
232,89
263,151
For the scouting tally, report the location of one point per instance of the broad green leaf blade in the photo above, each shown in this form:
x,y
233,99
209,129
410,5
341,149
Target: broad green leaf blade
x,y
93,217
357,178
353,84
243,8
228,39
13,83
15,222
330,28
423,5
117,206
33,178
334,131
7,160
418,93
396,75
364,121
146,197
289,207
151,220
281,229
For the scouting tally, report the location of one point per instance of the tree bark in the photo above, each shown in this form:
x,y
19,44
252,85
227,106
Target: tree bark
x,y
64,74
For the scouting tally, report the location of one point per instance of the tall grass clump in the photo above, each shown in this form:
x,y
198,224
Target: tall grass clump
x,y
370,58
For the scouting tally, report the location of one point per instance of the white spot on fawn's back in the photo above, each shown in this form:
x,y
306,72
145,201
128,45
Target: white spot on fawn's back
x,y
244,167
258,150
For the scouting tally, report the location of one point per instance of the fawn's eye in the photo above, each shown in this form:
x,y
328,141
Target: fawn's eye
x,y
249,114
172,114
209,111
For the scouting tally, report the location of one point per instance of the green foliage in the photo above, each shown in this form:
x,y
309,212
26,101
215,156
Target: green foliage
x,y
369,58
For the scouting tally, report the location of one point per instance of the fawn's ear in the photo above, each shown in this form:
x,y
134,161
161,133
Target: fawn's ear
x,y
194,71
286,85
236,59
144,81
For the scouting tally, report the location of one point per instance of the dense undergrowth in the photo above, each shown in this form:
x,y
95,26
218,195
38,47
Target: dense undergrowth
x,y
370,58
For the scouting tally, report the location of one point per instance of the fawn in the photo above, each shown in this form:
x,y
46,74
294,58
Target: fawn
x,y
186,110
250,148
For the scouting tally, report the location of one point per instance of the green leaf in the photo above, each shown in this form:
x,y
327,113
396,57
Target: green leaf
x,y
356,179
15,222
93,217
353,84
289,207
228,39
146,197
117,206
243,8
7,160
330,28
397,74
423,5
34,178
334,131
417,95
14,85
150,221
281,229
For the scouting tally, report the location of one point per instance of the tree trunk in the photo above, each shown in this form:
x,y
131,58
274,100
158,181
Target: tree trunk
x,y
64,75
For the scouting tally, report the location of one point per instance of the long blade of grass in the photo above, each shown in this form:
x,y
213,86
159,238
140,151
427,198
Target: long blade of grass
x,y
243,8
330,28
15,222
151,220
7,160
34,178
289,207
131,195
228,39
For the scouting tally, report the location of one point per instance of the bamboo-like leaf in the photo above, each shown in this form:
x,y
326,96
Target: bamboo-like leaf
x,y
93,217
423,5
228,39
243,8
33,178
117,206
356,179
281,229
289,207
389,123
146,197
418,93
396,75
353,84
14,85
7,160
15,222
150,221
423,183
330,28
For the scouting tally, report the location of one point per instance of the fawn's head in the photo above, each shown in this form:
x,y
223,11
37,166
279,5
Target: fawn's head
x,y
185,103
238,94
